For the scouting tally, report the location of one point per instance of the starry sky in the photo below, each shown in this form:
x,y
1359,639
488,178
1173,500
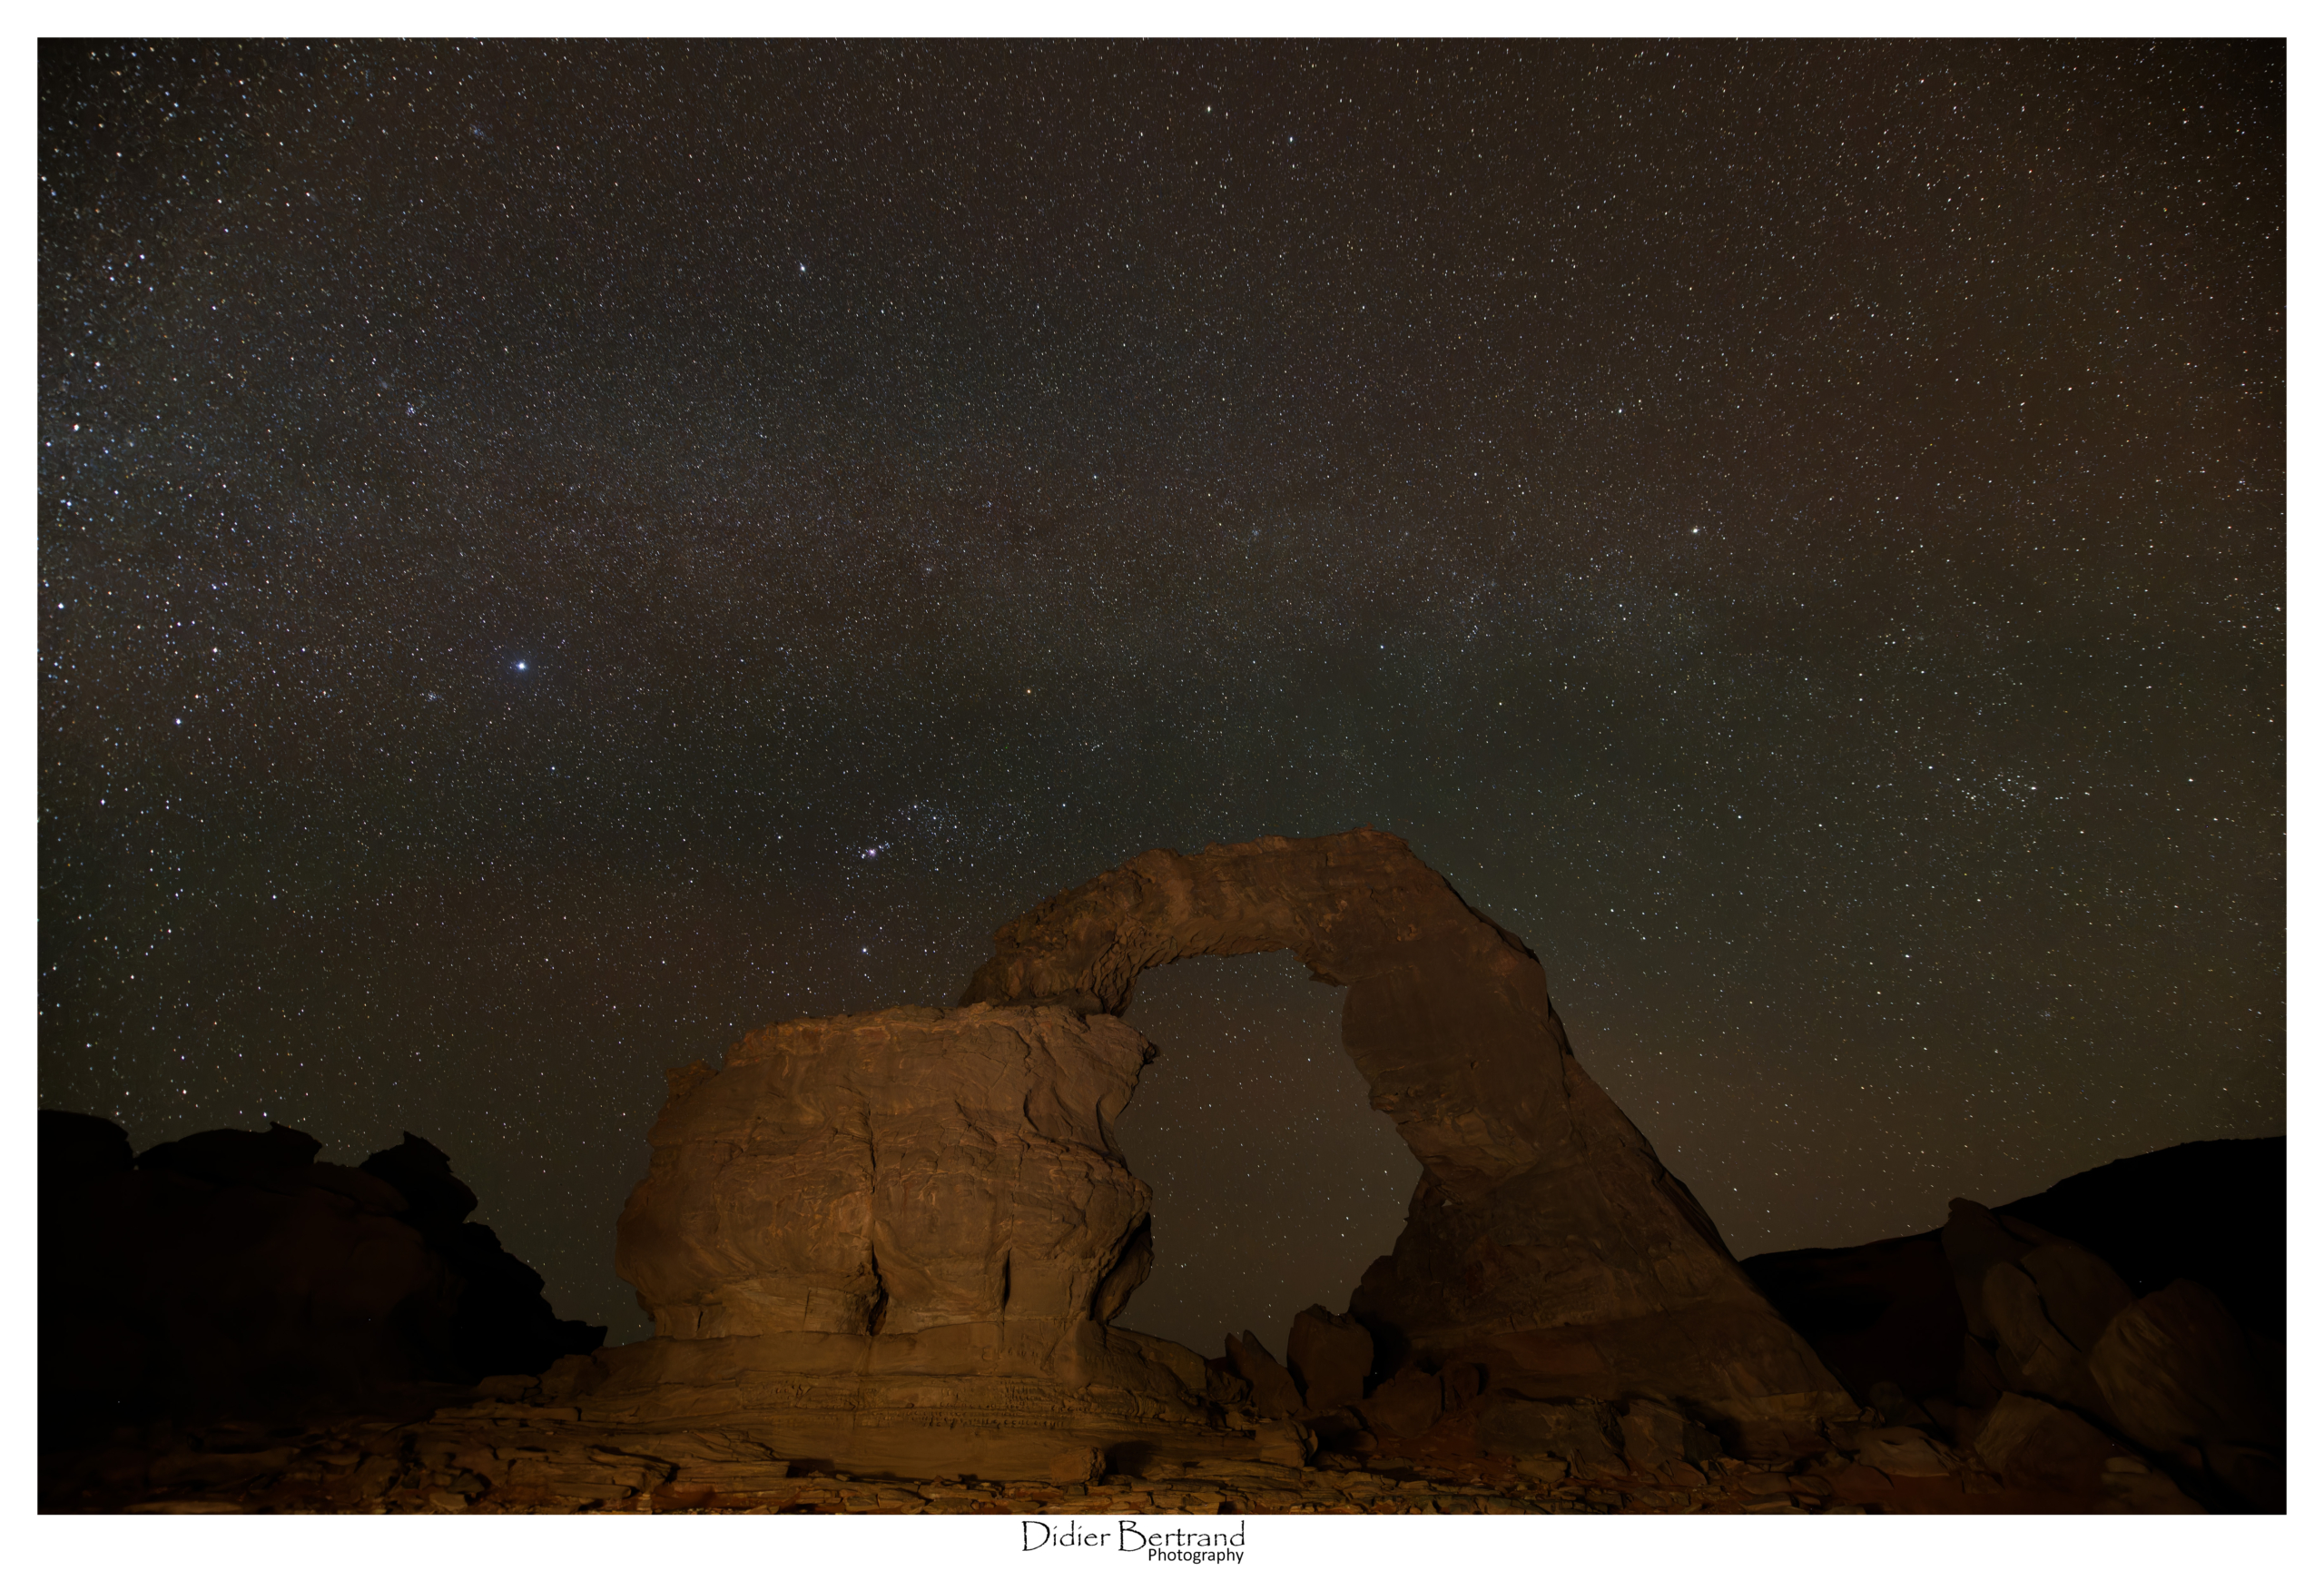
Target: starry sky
x,y
552,556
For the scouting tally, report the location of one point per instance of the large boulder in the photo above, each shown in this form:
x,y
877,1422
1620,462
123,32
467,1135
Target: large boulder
x,y
2181,1379
1273,1391
2037,1445
2038,1302
1546,1242
1330,1354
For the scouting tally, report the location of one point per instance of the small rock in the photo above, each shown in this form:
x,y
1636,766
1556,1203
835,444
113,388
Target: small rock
x,y
1286,1443
1906,1453
2143,1494
1653,1435
1081,1464
1896,1408
1546,1469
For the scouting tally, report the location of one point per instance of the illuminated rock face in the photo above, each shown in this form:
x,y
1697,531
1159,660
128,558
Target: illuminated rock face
x,y
896,1240
894,1173
888,1198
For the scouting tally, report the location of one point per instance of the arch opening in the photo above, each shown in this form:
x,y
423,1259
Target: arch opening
x,y
1276,1182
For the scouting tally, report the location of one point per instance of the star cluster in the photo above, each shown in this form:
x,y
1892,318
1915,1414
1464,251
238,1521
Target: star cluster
x,y
552,556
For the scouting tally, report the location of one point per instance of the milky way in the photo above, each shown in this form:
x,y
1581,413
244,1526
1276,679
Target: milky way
x,y
553,556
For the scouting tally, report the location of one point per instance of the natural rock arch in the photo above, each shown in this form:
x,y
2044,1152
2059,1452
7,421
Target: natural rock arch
x,y
1546,1239
865,1226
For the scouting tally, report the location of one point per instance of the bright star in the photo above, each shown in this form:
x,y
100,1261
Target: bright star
x,y
520,665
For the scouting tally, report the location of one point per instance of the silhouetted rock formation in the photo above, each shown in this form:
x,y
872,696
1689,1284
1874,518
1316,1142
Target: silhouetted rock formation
x,y
502,1324
231,1273
2210,1210
2062,1365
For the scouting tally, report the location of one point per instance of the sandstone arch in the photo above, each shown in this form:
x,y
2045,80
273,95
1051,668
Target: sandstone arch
x,y
904,1235
1546,1239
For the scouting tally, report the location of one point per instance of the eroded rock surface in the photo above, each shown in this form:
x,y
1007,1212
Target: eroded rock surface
x,y
907,1229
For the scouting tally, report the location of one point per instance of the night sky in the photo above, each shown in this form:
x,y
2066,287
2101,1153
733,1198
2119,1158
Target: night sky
x,y
551,557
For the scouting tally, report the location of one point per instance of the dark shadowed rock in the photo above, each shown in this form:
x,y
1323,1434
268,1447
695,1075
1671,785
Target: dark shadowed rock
x,y
1273,1392
1587,1436
2208,1211
1331,1356
423,1175
77,1148
2039,1302
229,1272
2181,1379
216,1276
237,1157
1545,1240
503,1324
2212,1211
1405,1404
2037,1445
1883,1312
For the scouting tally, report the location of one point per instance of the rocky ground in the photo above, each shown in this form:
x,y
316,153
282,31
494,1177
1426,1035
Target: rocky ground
x,y
514,1456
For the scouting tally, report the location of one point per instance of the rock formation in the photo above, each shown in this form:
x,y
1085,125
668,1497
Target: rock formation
x,y
229,1272
2066,1368
872,1227
2211,1211
1546,1242
1330,1354
906,1231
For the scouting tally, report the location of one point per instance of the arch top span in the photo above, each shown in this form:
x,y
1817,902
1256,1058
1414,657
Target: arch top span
x,y
1447,1016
